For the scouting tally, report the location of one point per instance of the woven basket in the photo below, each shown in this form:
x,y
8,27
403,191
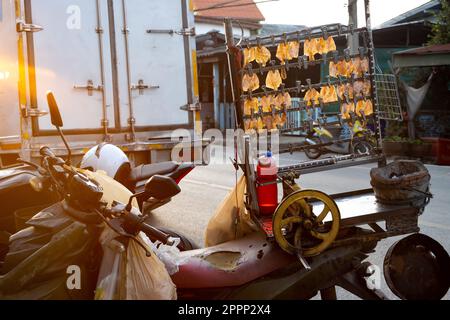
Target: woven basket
x,y
402,182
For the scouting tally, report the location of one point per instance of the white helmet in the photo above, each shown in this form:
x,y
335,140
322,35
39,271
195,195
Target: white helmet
x,y
106,157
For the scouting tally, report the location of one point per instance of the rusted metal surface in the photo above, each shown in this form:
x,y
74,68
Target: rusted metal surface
x,y
417,268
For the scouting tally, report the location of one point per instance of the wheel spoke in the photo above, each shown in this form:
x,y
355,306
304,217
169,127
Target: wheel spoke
x,y
291,220
320,236
323,215
306,208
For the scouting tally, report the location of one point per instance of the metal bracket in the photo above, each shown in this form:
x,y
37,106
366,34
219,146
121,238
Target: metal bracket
x,y
29,112
89,87
187,32
192,107
21,26
141,86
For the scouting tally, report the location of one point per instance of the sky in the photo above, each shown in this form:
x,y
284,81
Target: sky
x,y
318,12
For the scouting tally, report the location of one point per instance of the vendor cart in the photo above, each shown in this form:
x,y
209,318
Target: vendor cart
x,y
314,226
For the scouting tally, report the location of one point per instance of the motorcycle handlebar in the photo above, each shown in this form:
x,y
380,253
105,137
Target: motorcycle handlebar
x,y
155,234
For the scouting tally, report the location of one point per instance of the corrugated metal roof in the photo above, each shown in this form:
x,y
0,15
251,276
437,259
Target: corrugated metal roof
x,y
235,10
436,49
412,14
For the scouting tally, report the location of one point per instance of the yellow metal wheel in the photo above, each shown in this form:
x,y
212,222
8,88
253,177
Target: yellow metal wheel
x,y
307,221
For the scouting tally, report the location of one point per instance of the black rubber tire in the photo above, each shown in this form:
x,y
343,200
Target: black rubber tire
x,y
362,147
314,153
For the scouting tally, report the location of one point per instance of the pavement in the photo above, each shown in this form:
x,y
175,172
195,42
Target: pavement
x,y
205,188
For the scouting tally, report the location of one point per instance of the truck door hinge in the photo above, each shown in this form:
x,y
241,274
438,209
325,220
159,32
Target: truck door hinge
x,y
28,112
90,87
192,107
141,86
21,26
187,32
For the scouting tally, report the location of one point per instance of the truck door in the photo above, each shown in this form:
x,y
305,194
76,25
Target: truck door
x,y
68,57
155,62
9,110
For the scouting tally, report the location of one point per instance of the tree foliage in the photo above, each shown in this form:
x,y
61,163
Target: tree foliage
x,y
441,30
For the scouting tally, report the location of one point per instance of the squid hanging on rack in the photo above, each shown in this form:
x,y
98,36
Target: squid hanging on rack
x,y
362,88
361,66
329,94
266,103
287,51
325,46
342,68
312,96
294,49
262,55
283,53
279,120
347,109
282,100
273,80
251,106
250,83
311,48
345,89
365,106
249,55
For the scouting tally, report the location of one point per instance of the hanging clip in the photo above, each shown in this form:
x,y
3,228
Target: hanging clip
x,y
347,55
285,38
309,83
352,79
250,70
299,86
258,42
339,30
362,52
336,56
264,88
272,37
325,33
309,33
305,62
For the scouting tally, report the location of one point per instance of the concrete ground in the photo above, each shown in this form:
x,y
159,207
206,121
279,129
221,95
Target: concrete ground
x,y
205,188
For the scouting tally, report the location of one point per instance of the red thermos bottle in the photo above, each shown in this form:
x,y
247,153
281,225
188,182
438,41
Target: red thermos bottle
x,y
266,172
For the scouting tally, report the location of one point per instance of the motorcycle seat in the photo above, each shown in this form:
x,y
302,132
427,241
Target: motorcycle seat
x,y
230,264
145,172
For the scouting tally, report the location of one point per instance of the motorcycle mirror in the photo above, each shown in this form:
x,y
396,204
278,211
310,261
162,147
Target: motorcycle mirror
x,y
162,188
54,110
158,187
58,122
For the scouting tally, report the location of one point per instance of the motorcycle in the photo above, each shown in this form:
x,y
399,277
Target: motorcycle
x,y
361,139
71,233
19,200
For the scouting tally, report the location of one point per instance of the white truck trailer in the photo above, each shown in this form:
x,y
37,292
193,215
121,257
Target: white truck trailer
x,y
123,71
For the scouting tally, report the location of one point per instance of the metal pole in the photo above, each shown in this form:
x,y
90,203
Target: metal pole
x,y
372,64
99,30
233,71
131,119
353,41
